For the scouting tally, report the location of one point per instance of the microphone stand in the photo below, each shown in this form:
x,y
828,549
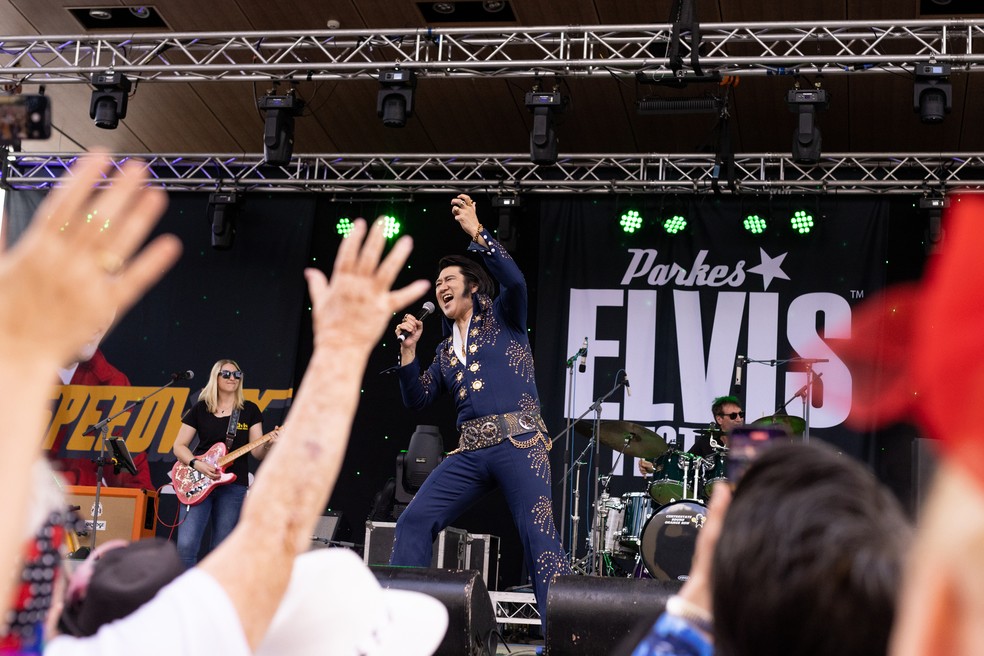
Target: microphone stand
x,y
102,428
567,444
806,392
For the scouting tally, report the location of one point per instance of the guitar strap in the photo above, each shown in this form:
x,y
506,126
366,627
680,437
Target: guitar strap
x,y
233,427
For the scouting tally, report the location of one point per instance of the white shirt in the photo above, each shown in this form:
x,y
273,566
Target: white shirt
x,y
190,616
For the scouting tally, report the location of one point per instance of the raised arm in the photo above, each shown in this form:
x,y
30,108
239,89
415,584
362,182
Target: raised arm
x,y
513,295
293,486
78,263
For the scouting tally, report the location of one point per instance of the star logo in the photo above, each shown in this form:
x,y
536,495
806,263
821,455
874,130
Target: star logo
x,y
769,269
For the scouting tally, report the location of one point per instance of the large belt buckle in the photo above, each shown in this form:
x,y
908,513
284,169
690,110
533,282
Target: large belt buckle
x,y
527,421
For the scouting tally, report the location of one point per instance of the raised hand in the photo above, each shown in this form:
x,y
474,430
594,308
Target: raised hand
x,y
80,261
354,308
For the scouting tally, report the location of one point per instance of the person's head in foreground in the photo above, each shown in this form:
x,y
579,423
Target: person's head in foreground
x,y
809,559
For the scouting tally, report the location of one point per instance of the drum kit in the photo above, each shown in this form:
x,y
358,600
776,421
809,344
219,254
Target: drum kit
x,y
658,528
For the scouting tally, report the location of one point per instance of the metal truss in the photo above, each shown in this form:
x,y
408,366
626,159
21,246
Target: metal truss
x,y
401,175
727,48
515,608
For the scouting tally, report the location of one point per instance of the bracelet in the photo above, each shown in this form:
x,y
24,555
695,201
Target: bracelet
x,y
690,612
191,463
478,233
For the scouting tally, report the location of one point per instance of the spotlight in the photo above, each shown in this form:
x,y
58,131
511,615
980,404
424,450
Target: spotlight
x,y
223,207
755,224
631,221
543,139
394,103
934,207
278,128
391,226
801,221
108,102
806,136
506,231
674,224
932,94
344,227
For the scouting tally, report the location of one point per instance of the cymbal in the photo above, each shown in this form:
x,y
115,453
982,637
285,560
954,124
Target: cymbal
x,y
631,439
794,424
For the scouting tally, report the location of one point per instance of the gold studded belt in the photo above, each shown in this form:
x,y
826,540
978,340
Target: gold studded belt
x,y
489,430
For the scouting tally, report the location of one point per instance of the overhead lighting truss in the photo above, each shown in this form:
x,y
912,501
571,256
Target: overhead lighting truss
x,y
765,49
514,173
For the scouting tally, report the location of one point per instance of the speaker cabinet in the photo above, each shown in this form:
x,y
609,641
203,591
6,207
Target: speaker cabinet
x,y
591,614
325,530
126,513
471,618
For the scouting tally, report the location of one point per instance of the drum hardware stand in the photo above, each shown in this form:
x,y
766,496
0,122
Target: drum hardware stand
x,y
121,457
806,392
592,443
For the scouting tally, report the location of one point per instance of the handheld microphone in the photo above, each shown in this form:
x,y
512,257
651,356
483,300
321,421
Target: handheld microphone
x,y
183,375
425,310
583,362
625,381
739,363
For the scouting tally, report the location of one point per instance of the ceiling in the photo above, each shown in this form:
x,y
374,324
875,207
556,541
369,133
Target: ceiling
x,y
867,113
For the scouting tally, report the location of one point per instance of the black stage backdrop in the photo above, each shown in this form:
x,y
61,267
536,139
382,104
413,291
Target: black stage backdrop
x,y
678,340
674,311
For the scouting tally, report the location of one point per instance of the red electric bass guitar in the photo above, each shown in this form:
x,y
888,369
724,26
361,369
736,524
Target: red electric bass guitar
x,y
191,486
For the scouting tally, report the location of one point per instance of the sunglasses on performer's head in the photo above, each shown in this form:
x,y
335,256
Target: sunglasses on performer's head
x,y
732,415
230,374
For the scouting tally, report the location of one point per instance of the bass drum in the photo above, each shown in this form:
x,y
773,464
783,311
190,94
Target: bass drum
x,y
668,540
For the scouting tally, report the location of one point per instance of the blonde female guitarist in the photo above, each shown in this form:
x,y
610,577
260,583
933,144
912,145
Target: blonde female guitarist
x,y
221,417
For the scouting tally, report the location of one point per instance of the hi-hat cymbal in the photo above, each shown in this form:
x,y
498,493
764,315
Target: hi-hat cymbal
x,y
631,439
794,424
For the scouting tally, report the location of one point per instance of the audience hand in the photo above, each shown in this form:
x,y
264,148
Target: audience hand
x,y
79,261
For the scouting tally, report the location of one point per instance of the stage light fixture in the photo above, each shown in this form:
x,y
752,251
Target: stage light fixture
x,y
806,137
934,206
801,221
223,209
507,204
932,93
543,138
278,127
675,224
344,227
631,221
755,224
391,226
107,105
394,102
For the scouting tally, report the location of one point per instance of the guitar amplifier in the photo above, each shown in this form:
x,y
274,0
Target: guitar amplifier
x,y
482,554
449,547
125,513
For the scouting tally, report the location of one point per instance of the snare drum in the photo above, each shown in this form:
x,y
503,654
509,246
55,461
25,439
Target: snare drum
x,y
637,510
675,476
715,469
606,527
668,540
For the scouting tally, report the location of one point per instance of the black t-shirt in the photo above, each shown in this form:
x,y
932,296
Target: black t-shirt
x,y
212,430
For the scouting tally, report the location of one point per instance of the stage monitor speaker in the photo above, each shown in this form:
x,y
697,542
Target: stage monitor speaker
x,y
471,618
592,614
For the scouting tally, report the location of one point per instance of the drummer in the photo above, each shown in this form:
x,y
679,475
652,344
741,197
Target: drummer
x,y
728,414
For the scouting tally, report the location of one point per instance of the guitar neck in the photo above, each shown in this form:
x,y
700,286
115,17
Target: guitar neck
x,y
243,450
